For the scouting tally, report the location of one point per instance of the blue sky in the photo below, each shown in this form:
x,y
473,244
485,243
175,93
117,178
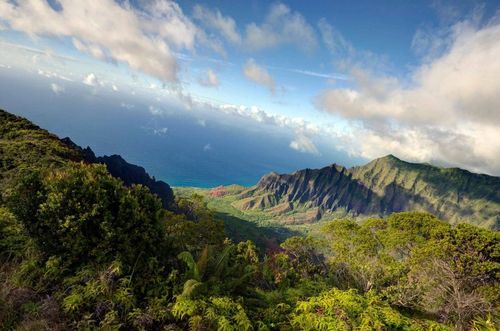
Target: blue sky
x,y
339,80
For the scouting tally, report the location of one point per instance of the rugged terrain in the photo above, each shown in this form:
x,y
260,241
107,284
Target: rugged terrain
x,y
381,187
81,249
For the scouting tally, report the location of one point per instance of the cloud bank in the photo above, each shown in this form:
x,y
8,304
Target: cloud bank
x,y
144,38
449,112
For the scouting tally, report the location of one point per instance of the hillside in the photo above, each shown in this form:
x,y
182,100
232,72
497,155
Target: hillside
x,y
26,147
381,187
129,173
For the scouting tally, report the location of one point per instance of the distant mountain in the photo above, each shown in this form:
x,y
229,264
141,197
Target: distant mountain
x,y
24,146
383,186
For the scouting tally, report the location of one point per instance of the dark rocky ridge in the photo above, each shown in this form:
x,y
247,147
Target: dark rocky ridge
x,y
129,173
380,187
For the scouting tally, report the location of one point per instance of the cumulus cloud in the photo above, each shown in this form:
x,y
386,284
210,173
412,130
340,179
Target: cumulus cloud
x,y
56,88
91,80
214,19
210,79
143,38
449,113
280,26
303,143
259,75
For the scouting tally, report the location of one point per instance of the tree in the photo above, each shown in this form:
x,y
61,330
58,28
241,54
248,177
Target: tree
x,y
83,214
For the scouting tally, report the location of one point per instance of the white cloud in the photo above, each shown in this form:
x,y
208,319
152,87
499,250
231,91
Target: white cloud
x,y
345,55
126,105
297,125
160,132
210,79
329,76
259,75
166,19
91,80
93,49
50,74
143,39
449,113
303,143
207,147
225,25
333,39
155,110
56,88
303,131
114,87
280,26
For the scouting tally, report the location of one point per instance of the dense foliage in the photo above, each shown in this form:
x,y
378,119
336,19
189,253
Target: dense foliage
x,y
81,250
25,147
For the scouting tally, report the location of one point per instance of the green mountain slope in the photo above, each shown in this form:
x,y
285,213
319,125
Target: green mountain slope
x,y
383,186
25,147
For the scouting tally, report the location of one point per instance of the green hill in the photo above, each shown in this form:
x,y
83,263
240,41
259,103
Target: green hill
x,y
25,147
381,187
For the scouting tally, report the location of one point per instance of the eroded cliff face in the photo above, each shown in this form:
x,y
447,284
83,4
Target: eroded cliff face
x,y
382,186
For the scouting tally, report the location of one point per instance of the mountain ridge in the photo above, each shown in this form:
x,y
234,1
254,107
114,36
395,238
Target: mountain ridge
x,y
129,173
24,146
382,186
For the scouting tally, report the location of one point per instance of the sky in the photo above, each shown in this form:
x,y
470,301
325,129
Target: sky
x,y
291,84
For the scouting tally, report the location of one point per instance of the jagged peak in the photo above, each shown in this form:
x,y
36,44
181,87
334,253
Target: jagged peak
x,y
268,176
337,167
389,157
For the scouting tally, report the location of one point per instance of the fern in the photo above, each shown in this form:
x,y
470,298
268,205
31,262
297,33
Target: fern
x,y
187,258
191,287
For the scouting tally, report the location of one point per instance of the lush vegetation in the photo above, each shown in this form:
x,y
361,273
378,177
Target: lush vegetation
x,y
80,250
382,186
25,147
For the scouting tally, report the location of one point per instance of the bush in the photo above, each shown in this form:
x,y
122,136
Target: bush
x,y
83,214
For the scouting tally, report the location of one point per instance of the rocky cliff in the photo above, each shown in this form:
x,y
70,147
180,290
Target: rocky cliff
x,y
380,187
